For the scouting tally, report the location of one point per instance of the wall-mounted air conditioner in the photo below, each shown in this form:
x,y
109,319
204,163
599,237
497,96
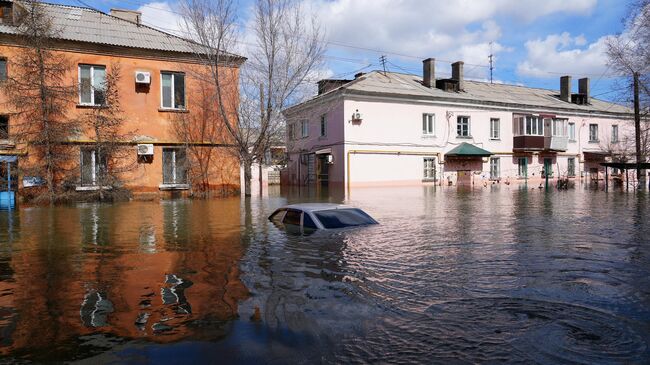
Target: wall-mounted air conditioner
x,y
142,77
145,150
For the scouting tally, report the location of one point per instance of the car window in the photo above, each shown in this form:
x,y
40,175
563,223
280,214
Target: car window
x,y
307,222
292,217
277,216
339,218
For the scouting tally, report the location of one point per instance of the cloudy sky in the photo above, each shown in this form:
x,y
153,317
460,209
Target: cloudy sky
x,y
533,42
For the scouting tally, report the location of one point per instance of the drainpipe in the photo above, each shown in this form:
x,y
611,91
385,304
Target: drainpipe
x,y
374,152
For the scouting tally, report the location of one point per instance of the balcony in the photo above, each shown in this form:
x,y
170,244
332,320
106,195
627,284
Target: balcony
x,y
528,143
556,143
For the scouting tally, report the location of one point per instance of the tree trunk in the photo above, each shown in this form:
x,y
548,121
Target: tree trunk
x,y
248,177
637,129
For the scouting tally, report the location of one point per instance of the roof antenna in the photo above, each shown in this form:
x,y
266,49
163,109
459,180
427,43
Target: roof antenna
x,y
383,61
491,63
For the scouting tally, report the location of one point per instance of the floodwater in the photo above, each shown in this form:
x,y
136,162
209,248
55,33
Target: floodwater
x,y
494,275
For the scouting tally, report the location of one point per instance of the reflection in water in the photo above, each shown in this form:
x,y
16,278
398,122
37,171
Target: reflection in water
x,y
497,275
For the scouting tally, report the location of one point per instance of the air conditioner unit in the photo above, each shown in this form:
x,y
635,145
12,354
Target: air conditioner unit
x,y
142,77
145,149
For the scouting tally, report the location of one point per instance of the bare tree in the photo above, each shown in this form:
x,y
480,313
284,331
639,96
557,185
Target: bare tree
x,y
105,127
39,93
284,52
629,56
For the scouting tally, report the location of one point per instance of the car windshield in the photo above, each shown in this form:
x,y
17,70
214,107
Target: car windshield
x,y
339,218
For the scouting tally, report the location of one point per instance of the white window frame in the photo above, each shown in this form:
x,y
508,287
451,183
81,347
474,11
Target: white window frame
x,y
614,133
429,169
498,168
174,167
593,138
493,122
562,125
93,166
568,167
525,167
469,126
571,131
323,125
172,88
428,124
92,82
304,128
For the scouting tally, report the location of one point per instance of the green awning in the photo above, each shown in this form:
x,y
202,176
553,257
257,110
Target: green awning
x,y
468,150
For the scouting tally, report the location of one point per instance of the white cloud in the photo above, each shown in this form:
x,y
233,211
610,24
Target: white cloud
x,y
564,54
161,15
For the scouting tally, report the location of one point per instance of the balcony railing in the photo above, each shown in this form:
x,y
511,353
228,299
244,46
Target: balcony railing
x,y
540,143
556,143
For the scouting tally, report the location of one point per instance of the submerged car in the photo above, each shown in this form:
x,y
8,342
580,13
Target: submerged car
x,y
321,216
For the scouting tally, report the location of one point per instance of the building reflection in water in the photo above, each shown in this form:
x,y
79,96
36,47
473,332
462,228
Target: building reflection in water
x,y
106,272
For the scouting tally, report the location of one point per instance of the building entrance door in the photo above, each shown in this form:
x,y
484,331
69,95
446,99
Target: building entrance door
x,y
322,170
464,178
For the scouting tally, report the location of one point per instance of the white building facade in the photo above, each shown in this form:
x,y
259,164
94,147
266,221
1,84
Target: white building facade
x,y
391,129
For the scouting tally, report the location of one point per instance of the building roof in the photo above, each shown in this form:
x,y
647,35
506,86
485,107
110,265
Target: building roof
x,y
409,86
468,150
93,26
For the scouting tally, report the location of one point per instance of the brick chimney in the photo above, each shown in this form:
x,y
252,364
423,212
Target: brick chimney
x,y
429,72
128,15
457,74
565,88
583,88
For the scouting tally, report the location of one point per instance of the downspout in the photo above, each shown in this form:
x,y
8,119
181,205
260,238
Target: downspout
x,y
375,152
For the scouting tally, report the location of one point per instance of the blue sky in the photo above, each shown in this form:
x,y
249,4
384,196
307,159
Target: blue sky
x,y
533,42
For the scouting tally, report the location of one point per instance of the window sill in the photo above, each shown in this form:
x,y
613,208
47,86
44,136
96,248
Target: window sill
x,y
596,141
174,186
429,180
91,188
495,139
572,141
320,138
464,137
169,110
7,144
91,106
428,136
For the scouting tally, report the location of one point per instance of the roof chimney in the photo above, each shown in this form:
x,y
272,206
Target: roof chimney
x,y
429,72
128,15
565,88
457,74
583,88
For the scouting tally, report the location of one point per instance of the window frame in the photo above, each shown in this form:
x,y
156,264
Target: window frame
x,y
95,168
92,83
495,175
595,137
323,125
172,88
429,120
467,121
429,170
2,118
571,167
614,138
6,69
562,124
495,136
571,131
185,179
304,128
525,167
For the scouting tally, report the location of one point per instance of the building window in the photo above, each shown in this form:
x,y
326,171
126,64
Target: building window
x,y
429,172
571,166
494,168
92,167
529,125
4,127
304,129
593,132
462,127
428,124
323,125
3,69
173,90
174,166
6,13
495,128
92,85
559,128
523,167
292,131
572,132
615,134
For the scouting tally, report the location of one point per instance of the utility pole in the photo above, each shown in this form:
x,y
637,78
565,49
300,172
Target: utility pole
x,y
637,129
382,60
491,62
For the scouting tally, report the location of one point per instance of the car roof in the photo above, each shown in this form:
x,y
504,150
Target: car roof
x,y
313,207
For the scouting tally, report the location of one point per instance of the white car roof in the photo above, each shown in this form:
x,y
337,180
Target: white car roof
x,y
313,207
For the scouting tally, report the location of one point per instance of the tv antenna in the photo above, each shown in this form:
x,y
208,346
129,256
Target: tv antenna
x,y
491,58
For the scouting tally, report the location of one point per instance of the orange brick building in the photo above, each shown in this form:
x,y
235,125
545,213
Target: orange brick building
x,y
161,83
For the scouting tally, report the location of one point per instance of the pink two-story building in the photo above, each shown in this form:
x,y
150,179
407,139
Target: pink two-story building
x,y
393,128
